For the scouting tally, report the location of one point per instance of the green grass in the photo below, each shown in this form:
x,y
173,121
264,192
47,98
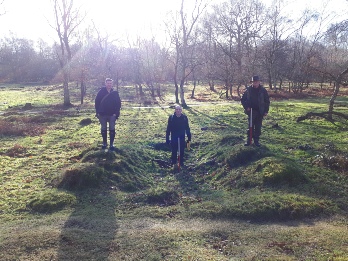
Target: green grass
x,y
62,198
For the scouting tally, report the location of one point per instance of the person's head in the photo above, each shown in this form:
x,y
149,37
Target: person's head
x,y
108,83
255,80
178,110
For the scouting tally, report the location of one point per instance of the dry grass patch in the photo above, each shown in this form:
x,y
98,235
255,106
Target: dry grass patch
x,y
17,151
20,127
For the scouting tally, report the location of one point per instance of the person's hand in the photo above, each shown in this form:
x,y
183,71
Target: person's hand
x,y
97,115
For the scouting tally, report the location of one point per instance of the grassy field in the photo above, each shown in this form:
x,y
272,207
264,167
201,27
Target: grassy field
x,y
63,198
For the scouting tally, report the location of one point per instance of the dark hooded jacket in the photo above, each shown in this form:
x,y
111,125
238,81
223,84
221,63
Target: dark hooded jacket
x,y
107,104
177,127
256,98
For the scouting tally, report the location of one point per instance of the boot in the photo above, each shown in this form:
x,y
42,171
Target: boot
x,y
104,136
247,143
256,142
112,138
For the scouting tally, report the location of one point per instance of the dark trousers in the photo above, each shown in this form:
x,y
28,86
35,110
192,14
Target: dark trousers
x,y
174,146
256,126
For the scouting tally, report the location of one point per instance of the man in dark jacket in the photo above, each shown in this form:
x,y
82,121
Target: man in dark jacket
x,y
107,106
177,127
255,98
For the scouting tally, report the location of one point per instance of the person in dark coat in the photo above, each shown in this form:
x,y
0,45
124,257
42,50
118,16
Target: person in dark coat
x,y
177,127
256,98
107,106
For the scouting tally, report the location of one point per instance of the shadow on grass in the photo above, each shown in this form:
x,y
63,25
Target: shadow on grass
x,y
198,114
89,232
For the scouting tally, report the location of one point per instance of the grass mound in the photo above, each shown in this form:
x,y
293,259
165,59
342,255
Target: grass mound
x,y
50,201
266,172
86,121
81,176
282,171
242,156
163,197
125,169
227,151
160,146
278,206
263,206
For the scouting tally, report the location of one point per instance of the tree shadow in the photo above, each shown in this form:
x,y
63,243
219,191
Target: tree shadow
x,y
89,231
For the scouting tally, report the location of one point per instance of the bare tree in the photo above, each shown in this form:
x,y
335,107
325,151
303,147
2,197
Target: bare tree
x,y
339,69
210,55
236,26
181,29
153,65
4,11
67,19
274,49
335,67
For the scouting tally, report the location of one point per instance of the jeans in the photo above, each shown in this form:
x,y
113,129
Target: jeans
x,y
104,120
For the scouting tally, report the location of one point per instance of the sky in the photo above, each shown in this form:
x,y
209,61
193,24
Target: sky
x,y
29,19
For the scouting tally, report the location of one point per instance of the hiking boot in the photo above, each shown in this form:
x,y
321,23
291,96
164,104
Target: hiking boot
x,y
247,144
112,148
104,146
257,144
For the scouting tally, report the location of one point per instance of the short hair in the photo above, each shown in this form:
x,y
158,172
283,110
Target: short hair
x,y
178,107
109,80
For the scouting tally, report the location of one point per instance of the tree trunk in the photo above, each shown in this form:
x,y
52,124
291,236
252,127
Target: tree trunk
x,y
238,91
82,91
182,93
270,80
333,98
231,93
211,85
141,92
193,90
176,91
66,92
280,83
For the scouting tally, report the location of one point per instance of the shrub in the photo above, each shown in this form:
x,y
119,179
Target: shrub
x,y
336,161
